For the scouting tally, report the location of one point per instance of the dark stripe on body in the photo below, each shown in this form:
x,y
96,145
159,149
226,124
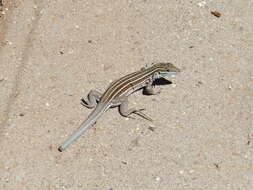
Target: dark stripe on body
x,y
129,81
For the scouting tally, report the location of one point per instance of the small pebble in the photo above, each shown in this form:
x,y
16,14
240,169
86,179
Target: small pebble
x,y
173,85
157,178
191,171
123,162
151,127
216,13
202,3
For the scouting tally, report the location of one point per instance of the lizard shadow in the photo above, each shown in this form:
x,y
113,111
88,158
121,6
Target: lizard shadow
x,y
158,82
162,81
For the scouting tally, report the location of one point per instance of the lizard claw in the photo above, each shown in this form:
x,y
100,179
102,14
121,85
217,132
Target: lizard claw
x,y
143,115
85,104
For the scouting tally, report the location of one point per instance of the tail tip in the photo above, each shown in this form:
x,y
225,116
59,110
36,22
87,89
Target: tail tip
x,y
60,149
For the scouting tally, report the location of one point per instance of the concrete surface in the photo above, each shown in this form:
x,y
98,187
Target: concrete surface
x,y
54,52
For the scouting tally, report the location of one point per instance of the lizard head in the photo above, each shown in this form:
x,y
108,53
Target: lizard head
x,y
166,69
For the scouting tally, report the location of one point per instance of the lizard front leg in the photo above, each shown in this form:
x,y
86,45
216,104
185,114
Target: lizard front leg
x,y
150,89
93,97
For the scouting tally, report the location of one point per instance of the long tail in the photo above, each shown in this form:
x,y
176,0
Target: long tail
x,y
91,120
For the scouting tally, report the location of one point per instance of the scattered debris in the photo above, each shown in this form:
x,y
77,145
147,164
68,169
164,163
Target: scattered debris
x,y
2,12
157,179
248,142
216,165
151,128
199,83
123,162
202,3
191,171
21,114
1,8
216,13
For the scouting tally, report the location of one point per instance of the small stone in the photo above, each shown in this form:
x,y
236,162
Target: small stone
x,y
191,171
157,178
173,85
202,3
216,13
151,127
123,162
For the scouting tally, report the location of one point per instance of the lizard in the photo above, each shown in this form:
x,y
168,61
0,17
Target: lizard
x,y
117,95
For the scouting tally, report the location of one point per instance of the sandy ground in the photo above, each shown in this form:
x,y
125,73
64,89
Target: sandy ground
x,y
54,52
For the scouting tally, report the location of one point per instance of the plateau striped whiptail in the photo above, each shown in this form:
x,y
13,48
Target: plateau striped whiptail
x,y
117,93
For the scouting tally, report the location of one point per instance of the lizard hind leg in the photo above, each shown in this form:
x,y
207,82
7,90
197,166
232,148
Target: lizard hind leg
x,y
127,112
93,98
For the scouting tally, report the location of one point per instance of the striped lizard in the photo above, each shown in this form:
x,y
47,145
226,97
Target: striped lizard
x,y
117,93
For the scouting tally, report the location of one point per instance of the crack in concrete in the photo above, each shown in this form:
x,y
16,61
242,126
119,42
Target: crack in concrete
x,y
20,70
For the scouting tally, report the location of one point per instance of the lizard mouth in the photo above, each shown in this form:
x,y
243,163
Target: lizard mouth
x,y
167,73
